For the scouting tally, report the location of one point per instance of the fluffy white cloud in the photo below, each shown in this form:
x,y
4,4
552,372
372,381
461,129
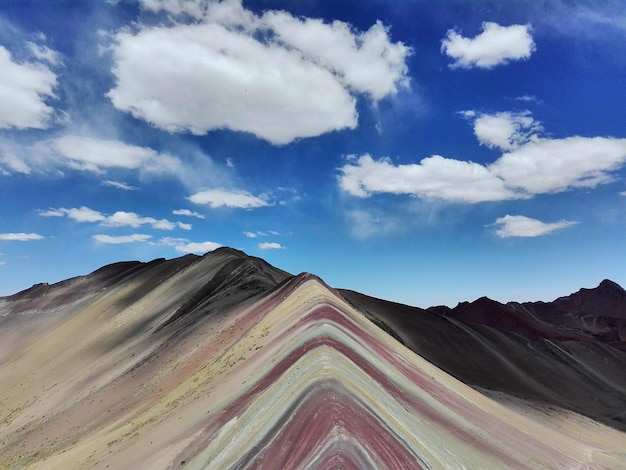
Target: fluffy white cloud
x,y
116,240
258,74
23,91
130,219
118,219
532,165
434,177
101,156
163,224
188,213
496,45
183,245
92,154
522,226
222,198
85,153
198,247
505,130
79,214
195,9
555,165
366,62
270,246
20,237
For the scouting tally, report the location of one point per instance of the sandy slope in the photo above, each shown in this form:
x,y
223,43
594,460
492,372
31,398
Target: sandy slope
x,y
225,362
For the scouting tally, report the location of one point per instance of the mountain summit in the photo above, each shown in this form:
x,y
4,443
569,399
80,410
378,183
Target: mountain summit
x,y
224,361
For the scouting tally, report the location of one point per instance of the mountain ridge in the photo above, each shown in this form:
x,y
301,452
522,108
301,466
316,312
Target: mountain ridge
x,y
204,361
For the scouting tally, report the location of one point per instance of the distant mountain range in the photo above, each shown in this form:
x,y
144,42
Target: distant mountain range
x,y
224,361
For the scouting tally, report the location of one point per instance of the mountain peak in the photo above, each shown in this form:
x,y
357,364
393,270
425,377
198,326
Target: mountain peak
x,y
608,285
226,250
606,300
225,361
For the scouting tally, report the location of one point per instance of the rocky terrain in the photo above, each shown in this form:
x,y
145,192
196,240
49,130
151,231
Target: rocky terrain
x,y
224,361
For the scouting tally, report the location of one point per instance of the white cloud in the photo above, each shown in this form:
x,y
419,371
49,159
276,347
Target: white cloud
x,y
291,195
20,237
127,219
598,16
528,99
434,177
259,233
468,113
195,247
270,246
131,219
367,62
496,45
172,241
53,156
86,153
12,162
43,53
522,226
188,213
79,214
603,23
117,219
23,91
555,165
532,165
116,240
367,224
183,245
119,185
195,9
92,154
258,74
2,263
18,156
505,130
222,198
163,224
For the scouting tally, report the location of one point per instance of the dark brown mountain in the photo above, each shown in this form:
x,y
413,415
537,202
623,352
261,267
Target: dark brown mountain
x,y
568,353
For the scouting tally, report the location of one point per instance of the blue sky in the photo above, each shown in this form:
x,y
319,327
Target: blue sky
x,y
419,151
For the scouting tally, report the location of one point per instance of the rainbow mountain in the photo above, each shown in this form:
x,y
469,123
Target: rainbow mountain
x,y
223,361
